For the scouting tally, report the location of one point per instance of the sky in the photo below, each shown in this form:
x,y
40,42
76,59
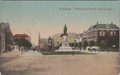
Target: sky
x,y
49,17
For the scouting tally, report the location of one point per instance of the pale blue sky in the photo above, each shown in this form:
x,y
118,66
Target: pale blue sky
x,y
45,17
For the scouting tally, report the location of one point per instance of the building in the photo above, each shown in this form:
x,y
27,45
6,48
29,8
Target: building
x,y
22,36
50,43
103,35
2,37
6,37
22,41
42,43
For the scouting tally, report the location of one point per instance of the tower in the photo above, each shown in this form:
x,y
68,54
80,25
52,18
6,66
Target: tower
x,y
39,40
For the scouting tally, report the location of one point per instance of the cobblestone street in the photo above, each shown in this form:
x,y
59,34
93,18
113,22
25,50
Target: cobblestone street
x,y
33,63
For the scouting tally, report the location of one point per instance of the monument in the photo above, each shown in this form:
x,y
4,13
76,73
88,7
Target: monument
x,y
65,43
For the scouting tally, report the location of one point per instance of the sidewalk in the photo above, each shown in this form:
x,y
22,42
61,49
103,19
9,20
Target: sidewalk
x,y
32,53
99,52
8,56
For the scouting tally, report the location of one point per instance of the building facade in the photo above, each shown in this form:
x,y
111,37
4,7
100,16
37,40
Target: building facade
x,y
2,37
102,35
42,43
6,37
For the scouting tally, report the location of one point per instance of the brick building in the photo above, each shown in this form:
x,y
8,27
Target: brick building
x,y
103,35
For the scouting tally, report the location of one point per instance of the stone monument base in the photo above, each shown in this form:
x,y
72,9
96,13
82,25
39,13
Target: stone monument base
x,y
66,49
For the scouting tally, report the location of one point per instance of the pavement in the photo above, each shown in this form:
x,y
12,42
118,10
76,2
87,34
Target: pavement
x,y
9,56
119,64
32,53
86,51
33,63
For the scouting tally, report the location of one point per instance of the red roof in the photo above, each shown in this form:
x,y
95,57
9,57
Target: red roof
x,y
21,35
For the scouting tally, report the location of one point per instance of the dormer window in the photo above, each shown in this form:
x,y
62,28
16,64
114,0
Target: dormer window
x,y
107,26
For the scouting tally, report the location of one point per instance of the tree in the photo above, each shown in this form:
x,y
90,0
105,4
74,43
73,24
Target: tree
x,y
92,43
85,44
22,42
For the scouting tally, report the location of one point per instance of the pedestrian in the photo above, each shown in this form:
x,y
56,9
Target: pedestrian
x,y
75,45
80,45
80,42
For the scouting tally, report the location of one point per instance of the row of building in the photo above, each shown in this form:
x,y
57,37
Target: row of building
x,y
102,35
8,42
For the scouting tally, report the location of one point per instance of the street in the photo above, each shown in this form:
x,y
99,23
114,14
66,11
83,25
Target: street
x,y
119,64
33,63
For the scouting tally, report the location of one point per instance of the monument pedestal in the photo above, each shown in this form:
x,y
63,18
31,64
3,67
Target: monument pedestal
x,y
66,49
65,45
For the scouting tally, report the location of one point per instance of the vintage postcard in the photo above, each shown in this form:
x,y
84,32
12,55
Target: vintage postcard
x,y
59,37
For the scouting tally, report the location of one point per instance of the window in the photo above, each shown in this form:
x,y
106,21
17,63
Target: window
x,y
102,33
114,32
111,33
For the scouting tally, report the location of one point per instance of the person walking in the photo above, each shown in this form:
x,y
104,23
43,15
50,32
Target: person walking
x,y
80,42
75,44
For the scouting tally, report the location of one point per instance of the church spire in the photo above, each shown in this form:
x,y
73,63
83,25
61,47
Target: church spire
x,y
39,40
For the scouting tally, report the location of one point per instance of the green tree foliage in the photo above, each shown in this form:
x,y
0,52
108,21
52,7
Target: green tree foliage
x,y
85,44
92,43
23,42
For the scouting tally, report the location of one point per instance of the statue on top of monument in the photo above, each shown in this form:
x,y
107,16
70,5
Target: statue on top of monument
x,y
64,31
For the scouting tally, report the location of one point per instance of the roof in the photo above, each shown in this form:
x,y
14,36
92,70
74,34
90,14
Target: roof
x,y
21,35
104,26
